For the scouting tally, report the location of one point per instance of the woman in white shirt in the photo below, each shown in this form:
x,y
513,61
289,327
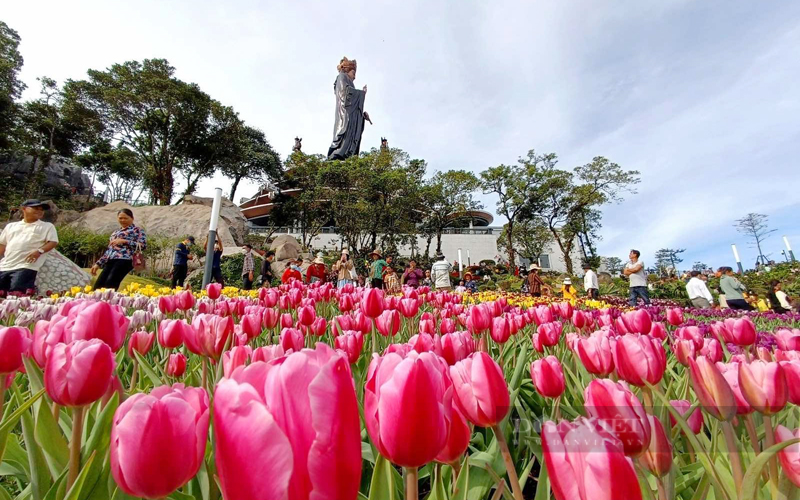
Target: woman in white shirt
x,y
698,292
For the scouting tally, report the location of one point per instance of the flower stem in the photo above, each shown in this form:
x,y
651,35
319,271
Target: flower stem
x,y
412,480
733,454
134,375
205,372
456,466
512,472
769,439
2,394
75,446
662,492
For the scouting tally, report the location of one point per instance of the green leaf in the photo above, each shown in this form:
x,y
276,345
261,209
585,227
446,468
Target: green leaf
x,y
543,484
437,491
4,494
460,491
177,495
10,421
75,491
98,442
58,489
366,452
148,370
40,478
752,478
382,486
48,435
34,373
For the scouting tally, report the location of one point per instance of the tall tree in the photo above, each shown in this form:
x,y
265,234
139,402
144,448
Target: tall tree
x,y
515,187
303,200
667,257
613,265
530,239
448,198
10,86
253,159
755,226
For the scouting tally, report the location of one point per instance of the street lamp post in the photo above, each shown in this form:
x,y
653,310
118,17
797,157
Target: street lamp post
x,y
738,261
788,248
212,236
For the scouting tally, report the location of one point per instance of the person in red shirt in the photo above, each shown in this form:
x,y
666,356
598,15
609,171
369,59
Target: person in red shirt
x,y
316,271
293,271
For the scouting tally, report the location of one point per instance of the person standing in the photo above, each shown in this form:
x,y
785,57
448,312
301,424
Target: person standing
x,y
22,244
376,269
216,261
180,266
391,281
733,289
316,271
535,282
440,273
427,281
344,269
698,292
117,261
266,269
248,268
412,275
590,283
634,270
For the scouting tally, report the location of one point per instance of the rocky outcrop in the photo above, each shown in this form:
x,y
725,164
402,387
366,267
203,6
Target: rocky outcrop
x,y
58,174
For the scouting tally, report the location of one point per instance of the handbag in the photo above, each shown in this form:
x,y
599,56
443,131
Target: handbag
x,y
139,264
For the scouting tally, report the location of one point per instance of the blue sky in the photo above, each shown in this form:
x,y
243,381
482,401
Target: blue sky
x,y
700,96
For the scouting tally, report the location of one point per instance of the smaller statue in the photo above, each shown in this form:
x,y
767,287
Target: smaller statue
x,y
384,143
298,144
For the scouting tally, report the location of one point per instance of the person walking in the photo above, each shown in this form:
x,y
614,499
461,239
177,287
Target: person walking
x,y
316,271
733,289
180,265
590,283
344,269
440,273
266,269
248,267
698,292
535,282
216,261
413,275
22,245
117,260
634,270
376,269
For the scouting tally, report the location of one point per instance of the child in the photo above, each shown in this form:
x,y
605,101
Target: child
x,y
461,288
391,281
568,291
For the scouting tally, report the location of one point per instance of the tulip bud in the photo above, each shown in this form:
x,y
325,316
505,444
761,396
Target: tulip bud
x,y
99,320
171,332
791,370
480,389
408,307
79,373
640,360
352,344
789,456
306,315
292,338
711,388
388,323
456,346
763,386
372,302
694,419
140,342
15,342
638,321
618,407
214,290
548,377
500,331
657,458
234,358
674,316
176,365
457,439
596,355
479,319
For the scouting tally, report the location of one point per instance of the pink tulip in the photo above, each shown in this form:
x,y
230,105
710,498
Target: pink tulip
x,y
640,360
388,323
585,461
480,389
176,365
319,326
362,322
372,302
447,326
456,346
694,419
425,343
658,331
730,371
692,333
307,442
267,353
711,388
550,333
674,316
779,354
596,354
791,370
306,315
763,386
500,331
172,332
286,320
214,290
712,350
548,377
479,319
684,350
234,358
789,456
742,331
411,392
542,314
210,334
46,335
79,373
269,318
616,405
98,320
185,300
657,458
292,338
427,325
408,307
15,342
167,304
140,342
158,441
638,321
251,325
564,309
788,340
351,343
457,439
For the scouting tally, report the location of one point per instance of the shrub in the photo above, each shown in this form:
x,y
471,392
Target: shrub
x,y
81,246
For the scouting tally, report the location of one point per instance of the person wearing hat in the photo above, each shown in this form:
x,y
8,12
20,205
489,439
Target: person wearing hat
x,y
180,265
344,269
317,270
590,283
292,271
535,282
376,269
568,291
22,245
440,273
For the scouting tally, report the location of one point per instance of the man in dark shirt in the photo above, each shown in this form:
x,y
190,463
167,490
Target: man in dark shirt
x,y
216,262
266,269
180,266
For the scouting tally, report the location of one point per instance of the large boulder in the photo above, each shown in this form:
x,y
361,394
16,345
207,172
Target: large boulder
x,y
189,218
57,174
285,247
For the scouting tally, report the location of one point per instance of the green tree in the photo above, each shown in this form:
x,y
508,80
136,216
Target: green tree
x,y
10,86
253,158
699,266
755,226
303,200
120,169
613,265
530,238
447,199
667,258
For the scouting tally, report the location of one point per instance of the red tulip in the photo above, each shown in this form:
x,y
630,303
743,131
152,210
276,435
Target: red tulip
x,y
657,458
351,342
615,404
791,370
711,388
639,360
372,302
172,332
712,350
408,307
408,393
79,373
307,441
457,439
548,377
158,441
789,456
550,333
388,323
480,389
694,419
215,289
742,331
564,309
674,316
140,342
447,326
585,461
251,325
283,302
684,350
176,366
346,303
595,353
167,304
425,343
185,300
15,343
319,326
479,319
286,320
292,338
637,321
362,322
456,346
657,331
763,385
270,318
98,320
209,335
306,315
234,358
500,331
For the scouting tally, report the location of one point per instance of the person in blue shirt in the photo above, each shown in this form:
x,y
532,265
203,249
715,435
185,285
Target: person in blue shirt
x,y
216,263
470,284
180,266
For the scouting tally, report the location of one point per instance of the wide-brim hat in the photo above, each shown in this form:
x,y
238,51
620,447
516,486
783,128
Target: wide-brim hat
x,y
532,267
467,275
345,251
319,260
567,281
376,252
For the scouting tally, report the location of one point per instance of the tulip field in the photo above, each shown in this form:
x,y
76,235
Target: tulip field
x,y
316,393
